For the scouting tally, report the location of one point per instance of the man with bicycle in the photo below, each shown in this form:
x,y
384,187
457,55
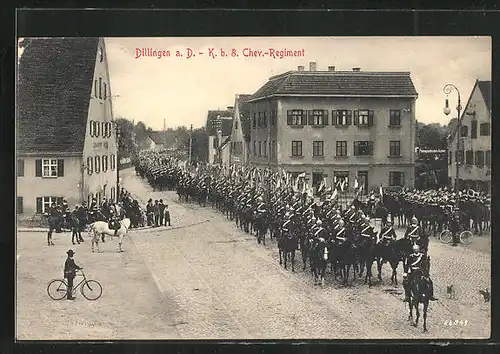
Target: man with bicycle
x,y
455,225
70,269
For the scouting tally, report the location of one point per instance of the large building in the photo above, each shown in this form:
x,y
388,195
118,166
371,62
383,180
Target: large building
x,y
331,123
474,156
65,136
240,133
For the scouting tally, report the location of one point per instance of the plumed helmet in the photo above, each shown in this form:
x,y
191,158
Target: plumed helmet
x,y
319,222
416,248
341,223
414,219
353,207
367,218
313,219
287,215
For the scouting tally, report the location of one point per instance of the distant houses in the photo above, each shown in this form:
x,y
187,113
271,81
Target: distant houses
x,y
219,126
155,140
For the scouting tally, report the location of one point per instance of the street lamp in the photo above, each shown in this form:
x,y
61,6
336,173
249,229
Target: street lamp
x,y
447,89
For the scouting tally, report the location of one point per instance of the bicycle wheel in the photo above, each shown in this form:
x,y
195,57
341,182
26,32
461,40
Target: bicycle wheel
x,y
466,237
91,290
57,289
445,236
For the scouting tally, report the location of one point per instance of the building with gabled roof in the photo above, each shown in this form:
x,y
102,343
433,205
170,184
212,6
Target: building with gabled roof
x,y
156,140
474,154
219,125
65,136
240,132
330,123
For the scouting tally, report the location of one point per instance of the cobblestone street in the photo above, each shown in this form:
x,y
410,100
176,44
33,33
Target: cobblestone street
x,y
203,278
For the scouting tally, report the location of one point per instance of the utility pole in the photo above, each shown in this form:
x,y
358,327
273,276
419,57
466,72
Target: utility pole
x,y
190,144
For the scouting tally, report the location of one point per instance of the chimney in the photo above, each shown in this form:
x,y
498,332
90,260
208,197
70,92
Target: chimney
x,y
300,68
312,66
331,68
356,69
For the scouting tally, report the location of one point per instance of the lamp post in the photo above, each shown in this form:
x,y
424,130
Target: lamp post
x,y
118,135
447,89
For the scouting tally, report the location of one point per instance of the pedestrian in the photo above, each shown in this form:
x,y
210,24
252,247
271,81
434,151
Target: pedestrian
x,y
149,212
167,215
454,226
162,212
156,212
70,269
75,226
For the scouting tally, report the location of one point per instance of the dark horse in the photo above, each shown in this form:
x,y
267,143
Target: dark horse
x,y
287,245
393,251
319,261
417,291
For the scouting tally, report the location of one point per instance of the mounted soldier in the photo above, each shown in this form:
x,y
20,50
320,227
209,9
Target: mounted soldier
x,y
413,232
413,268
113,223
386,234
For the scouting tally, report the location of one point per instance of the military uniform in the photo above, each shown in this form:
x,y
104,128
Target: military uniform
x,y
70,269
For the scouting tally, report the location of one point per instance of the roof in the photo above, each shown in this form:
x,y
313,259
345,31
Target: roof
x,y
338,83
157,137
54,90
244,109
485,88
226,120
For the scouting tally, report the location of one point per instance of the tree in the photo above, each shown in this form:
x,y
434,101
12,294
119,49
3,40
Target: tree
x,y
125,144
431,136
199,150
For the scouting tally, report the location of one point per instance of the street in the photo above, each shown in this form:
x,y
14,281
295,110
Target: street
x,y
202,278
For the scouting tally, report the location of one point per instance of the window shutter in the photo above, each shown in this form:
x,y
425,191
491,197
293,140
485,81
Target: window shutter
x,y
349,117
60,168
310,117
355,149
356,117
38,168
335,115
20,168
288,117
370,118
39,205
325,117
91,128
97,129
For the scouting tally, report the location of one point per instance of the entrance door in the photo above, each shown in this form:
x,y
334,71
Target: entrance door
x,y
363,181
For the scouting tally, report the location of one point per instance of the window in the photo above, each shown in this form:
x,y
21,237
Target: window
x,y
450,158
318,117
274,115
97,164
90,165
105,91
473,129
295,117
254,121
265,119
394,117
43,204
254,148
260,149
318,148
396,179
264,148
479,158
342,117
235,124
97,129
459,157
104,161
363,117
49,168
484,129
341,148
340,176
113,193
113,162
464,130
395,148
91,128
469,157
100,88
19,205
296,148
95,89
487,158
104,129
363,148
20,168
259,119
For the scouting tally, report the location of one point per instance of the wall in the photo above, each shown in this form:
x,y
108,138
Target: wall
x,y
477,104
100,110
30,187
378,165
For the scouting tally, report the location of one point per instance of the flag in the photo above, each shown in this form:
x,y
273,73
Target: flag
x,y
334,194
303,187
342,184
356,184
321,185
302,175
310,192
335,180
380,191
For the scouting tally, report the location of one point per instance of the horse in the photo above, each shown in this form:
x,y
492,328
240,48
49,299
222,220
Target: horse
x,y
287,245
366,252
393,251
417,291
319,260
101,228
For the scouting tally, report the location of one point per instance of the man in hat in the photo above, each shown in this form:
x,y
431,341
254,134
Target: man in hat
x,y
161,207
70,269
455,225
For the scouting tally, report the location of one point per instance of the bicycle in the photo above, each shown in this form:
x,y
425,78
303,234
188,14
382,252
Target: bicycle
x,y
465,236
90,289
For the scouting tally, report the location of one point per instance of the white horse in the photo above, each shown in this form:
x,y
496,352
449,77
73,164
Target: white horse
x,y
100,228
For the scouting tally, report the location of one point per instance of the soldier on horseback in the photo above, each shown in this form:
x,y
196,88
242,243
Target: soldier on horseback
x,y
413,269
114,222
413,232
386,233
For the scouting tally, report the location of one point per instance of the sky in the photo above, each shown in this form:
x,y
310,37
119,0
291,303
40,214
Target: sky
x,y
181,90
